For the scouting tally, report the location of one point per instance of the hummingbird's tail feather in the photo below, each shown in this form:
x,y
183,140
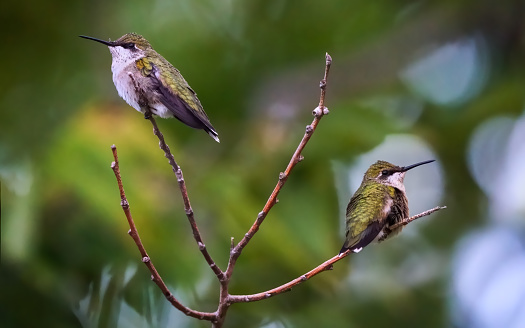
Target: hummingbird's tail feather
x,y
214,135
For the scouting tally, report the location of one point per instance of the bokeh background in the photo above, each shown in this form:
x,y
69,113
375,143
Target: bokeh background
x,y
410,81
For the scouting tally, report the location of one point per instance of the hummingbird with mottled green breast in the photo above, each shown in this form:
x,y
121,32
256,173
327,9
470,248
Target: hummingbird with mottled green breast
x,y
151,85
377,205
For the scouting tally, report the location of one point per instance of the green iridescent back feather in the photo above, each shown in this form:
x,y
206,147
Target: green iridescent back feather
x,y
173,81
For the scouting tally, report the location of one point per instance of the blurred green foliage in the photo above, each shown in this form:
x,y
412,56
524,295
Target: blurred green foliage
x,y
256,67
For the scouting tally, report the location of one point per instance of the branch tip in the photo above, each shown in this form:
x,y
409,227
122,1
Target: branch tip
x,y
328,59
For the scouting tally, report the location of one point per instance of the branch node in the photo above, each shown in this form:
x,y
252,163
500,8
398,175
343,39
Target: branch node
x,y
201,246
268,295
113,164
322,84
124,203
317,112
276,200
189,211
326,111
146,259
300,158
282,176
309,129
129,232
261,215
304,278
152,277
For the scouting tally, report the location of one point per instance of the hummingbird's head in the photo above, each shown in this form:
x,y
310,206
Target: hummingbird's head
x,y
389,174
130,46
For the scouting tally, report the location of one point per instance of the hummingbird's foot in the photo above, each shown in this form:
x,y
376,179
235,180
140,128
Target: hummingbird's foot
x,y
148,114
384,234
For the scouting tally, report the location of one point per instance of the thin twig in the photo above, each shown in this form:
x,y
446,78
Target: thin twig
x,y
155,276
327,265
417,216
318,113
185,198
180,179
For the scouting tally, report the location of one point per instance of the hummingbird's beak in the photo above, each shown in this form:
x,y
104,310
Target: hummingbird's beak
x,y
406,168
107,43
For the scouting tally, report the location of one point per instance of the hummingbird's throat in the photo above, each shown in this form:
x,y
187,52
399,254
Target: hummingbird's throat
x,y
123,58
396,180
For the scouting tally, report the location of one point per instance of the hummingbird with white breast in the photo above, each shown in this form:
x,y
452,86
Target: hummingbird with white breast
x,y
151,85
377,205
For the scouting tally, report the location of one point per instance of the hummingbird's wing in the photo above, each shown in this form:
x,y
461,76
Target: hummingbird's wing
x,y
365,215
177,95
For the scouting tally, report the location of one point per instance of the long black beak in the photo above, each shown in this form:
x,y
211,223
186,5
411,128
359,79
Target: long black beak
x,y
406,168
107,43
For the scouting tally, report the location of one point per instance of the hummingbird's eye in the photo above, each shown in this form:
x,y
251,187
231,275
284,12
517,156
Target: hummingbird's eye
x,y
129,45
385,172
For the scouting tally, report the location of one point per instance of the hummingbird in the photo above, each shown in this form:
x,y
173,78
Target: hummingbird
x,y
151,85
378,204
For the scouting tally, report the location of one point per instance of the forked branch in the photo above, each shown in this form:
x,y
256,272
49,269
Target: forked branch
x,y
224,277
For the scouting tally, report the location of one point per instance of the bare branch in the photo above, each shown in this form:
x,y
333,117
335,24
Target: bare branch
x,y
318,113
155,276
185,198
417,216
327,265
